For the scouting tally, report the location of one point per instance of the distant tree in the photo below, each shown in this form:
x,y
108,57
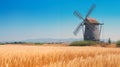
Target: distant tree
x,y
109,41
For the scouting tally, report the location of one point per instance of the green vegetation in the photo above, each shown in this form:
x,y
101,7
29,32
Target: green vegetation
x,y
38,43
22,43
109,41
83,43
18,43
118,43
1,43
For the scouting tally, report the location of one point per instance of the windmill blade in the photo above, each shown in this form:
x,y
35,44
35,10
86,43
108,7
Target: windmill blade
x,y
80,25
77,14
78,28
90,10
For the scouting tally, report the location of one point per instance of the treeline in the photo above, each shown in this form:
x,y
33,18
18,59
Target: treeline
x,y
15,42
21,43
35,43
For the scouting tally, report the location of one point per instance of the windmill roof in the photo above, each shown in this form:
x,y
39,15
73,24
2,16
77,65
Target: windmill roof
x,y
92,20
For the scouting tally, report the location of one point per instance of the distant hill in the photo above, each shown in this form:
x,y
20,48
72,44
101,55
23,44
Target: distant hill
x,y
50,40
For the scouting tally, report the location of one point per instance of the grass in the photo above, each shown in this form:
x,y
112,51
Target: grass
x,y
2,44
51,56
83,43
38,43
118,43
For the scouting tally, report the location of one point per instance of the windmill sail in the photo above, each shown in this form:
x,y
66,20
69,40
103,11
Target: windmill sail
x,y
77,14
78,28
90,10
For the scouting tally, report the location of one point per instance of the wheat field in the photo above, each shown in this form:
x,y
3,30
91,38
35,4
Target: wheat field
x,y
58,56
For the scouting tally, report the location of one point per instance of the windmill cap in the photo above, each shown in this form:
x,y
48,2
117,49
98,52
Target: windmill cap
x,y
92,20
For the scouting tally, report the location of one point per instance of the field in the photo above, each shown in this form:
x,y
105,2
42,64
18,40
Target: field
x,y
58,56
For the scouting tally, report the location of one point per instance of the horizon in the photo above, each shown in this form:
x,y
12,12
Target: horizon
x,y
34,19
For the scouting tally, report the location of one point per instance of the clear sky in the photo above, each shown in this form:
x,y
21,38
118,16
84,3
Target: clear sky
x,y
34,19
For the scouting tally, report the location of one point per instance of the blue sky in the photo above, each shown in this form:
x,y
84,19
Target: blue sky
x,y
34,19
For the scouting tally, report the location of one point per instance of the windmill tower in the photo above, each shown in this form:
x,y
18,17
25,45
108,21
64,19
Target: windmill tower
x,y
90,26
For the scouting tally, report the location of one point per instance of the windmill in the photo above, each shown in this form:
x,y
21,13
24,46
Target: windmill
x,y
90,26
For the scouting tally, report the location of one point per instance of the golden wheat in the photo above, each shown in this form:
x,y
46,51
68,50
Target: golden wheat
x,y
53,56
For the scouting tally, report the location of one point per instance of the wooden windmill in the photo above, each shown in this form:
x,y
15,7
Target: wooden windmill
x,y
91,27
